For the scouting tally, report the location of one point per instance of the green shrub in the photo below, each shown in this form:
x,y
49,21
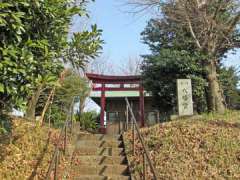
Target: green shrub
x,y
5,124
56,116
88,120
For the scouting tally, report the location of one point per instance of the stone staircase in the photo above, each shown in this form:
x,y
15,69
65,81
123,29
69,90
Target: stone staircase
x,y
99,157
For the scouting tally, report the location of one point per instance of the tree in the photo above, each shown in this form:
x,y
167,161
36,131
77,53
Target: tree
x,y
72,87
44,83
34,44
160,73
229,80
30,42
213,27
101,65
173,56
132,66
83,46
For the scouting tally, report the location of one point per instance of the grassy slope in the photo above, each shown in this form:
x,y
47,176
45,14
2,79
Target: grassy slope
x,y
194,149
29,153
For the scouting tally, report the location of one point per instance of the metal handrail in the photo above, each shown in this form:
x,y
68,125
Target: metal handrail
x,y
145,149
56,155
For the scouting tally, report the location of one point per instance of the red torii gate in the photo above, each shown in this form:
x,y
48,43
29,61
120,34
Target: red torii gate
x,y
105,80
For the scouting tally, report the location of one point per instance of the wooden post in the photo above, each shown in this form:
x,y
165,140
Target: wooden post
x,y
127,116
131,106
71,120
56,166
119,123
65,139
144,166
133,136
49,117
103,104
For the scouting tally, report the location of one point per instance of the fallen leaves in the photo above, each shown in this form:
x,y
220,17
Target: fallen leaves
x,y
28,152
196,149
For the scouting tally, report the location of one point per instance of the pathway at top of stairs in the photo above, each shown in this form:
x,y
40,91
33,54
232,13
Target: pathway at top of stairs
x,y
99,157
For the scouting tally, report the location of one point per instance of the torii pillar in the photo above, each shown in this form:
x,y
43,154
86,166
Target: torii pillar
x,y
141,104
103,107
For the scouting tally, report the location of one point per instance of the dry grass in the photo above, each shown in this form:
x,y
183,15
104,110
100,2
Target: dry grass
x,y
193,149
27,152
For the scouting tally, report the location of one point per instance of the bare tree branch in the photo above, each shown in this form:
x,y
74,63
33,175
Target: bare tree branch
x,y
192,32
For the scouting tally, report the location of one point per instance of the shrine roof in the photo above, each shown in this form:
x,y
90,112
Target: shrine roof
x,y
96,78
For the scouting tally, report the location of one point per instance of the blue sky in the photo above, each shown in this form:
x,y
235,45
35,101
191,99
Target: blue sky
x,y
121,31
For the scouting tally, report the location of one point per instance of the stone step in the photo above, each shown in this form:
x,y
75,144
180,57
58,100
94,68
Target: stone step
x,y
89,177
98,137
104,170
99,160
93,151
94,143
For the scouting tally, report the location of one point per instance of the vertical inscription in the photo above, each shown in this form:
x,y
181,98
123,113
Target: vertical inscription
x,y
184,92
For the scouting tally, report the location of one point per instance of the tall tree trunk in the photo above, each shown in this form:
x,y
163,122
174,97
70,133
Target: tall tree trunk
x,y
48,102
51,96
31,108
215,99
81,106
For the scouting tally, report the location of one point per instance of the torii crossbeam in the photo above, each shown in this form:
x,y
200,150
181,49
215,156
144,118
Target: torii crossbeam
x,y
104,83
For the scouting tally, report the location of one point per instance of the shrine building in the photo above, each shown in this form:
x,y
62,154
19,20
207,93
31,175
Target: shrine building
x,y
109,92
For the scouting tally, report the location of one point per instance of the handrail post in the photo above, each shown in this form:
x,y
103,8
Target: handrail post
x,y
65,139
133,136
56,166
53,166
144,166
127,117
71,118
147,156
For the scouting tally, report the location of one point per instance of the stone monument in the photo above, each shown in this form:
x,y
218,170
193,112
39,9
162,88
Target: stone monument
x,y
184,93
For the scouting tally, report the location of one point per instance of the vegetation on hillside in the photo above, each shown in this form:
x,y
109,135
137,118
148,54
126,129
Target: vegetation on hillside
x,y
27,151
208,148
